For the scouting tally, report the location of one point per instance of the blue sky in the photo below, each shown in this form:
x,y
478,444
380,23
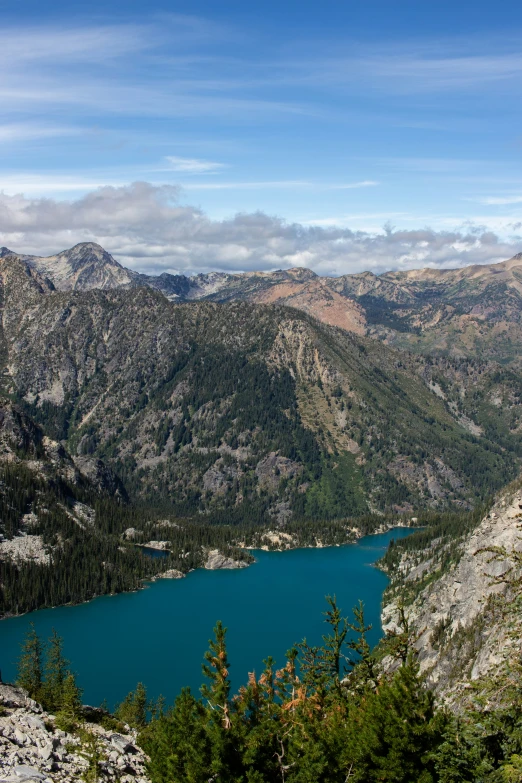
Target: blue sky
x,y
341,135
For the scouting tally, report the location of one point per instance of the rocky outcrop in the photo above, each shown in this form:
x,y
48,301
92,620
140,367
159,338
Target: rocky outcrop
x,y
32,748
25,548
216,560
467,622
100,476
162,546
171,573
274,468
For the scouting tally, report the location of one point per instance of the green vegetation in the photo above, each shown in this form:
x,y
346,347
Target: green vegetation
x,y
44,673
330,714
337,494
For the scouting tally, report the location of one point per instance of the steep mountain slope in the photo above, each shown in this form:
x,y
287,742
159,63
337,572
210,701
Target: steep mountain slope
x,y
463,599
475,311
252,412
59,540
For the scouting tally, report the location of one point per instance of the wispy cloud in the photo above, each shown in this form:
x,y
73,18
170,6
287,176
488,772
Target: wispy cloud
x,y
269,184
400,68
193,165
42,184
125,69
27,131
50,46
498,200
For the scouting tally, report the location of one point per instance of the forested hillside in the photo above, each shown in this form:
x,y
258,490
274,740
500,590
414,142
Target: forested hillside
x,y
203,407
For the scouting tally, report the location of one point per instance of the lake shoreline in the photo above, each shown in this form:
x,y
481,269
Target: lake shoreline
x,y
357,535
158,634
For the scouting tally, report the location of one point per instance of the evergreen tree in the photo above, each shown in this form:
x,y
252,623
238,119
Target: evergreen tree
x,y
134,708
30,667
178,742
225,759
70,712
458,758
393,731
334,642
56,671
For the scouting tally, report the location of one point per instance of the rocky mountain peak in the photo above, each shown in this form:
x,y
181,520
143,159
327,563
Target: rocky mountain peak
x,y
83,267
301,273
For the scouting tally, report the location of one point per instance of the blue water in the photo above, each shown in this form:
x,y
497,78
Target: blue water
x,y
158,635
154,553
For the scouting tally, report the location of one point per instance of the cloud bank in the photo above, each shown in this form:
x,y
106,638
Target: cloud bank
x,y
148,228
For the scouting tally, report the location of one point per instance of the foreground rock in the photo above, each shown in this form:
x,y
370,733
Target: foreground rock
x,y
33,749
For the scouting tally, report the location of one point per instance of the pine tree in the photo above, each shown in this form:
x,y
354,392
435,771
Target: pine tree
x,y
178,742
458,758
225,758
216,669
393,731
30,669
56,671
70,713
333,642
362,660
134,708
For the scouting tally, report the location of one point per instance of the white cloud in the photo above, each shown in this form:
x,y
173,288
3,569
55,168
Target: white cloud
x,y
403,67
499,200
290,183
193,165
27,131
147,228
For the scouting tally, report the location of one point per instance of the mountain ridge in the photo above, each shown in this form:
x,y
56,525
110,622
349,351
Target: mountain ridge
x,y
207,403
468,311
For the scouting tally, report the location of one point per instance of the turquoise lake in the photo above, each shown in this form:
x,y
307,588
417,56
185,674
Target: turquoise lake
x,y
158,635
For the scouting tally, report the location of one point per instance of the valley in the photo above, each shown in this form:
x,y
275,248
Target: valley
x,y
210,425
174,451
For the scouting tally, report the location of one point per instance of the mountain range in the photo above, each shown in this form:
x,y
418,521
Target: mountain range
x,y
238,408
209,401
474,311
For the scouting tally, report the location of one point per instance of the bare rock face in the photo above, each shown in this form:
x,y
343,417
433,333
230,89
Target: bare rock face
x,y
216,560
25,548
466,620
100,476
271,470
82,267
33,749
